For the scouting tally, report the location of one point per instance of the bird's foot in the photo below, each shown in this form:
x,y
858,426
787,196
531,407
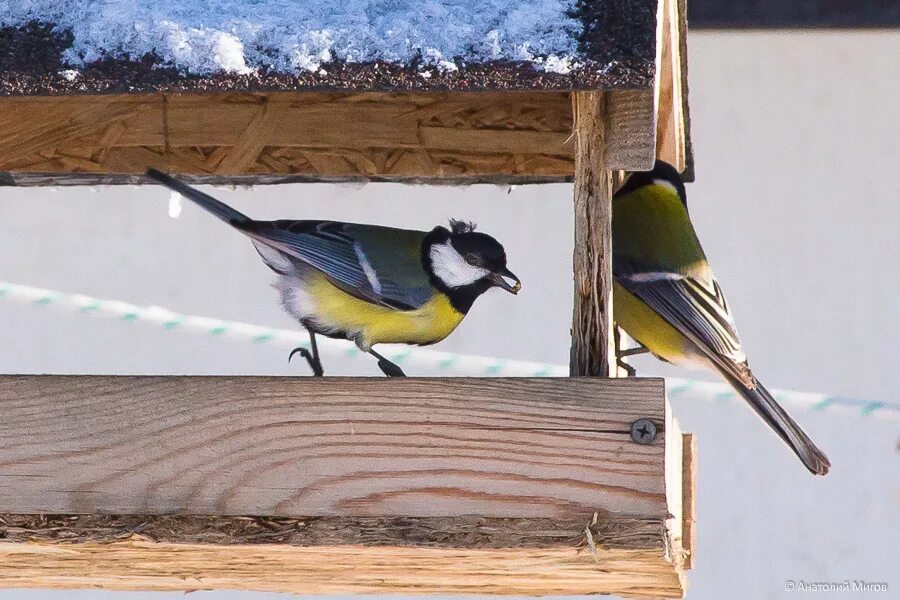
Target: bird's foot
x,y
621,354
390,369
386,366
629,370
314,363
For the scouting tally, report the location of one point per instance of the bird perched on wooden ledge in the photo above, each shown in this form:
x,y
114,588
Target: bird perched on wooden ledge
x,y
666,297
366,283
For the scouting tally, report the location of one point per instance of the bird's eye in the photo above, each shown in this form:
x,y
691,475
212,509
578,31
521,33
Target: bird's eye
x,y
472,259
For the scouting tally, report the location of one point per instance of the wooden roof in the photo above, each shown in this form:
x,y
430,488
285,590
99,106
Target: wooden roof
x,y
616,49
105,121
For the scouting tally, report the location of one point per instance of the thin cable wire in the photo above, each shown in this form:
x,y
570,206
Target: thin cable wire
x,y
420,358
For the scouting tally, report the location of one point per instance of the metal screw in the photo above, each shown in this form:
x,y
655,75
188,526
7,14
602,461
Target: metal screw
x,y
643,431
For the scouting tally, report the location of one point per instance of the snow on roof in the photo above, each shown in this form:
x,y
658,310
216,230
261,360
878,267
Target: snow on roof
x,y
434,38
207,36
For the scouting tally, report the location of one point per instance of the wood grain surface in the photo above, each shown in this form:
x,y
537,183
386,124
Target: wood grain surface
x,y
443,136
592,352
630,132
671,135
329,447
139,564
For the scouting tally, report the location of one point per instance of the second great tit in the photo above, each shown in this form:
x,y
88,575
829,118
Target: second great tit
x,y
666,297
369,284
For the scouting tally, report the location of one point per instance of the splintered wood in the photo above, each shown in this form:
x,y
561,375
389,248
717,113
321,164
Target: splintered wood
x,y
592,334
507,486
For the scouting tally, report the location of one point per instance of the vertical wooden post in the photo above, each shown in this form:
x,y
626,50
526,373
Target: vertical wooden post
x,y
592,345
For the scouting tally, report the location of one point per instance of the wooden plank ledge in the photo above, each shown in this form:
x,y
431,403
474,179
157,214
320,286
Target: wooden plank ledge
x,y
338,485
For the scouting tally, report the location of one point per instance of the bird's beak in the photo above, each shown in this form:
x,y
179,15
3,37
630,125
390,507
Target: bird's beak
x,y
500,280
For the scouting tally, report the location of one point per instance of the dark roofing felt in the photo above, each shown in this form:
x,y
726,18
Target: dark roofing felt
x,y
616,48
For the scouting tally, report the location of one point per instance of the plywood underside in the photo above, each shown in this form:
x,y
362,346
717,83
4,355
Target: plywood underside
x,y
354,485
312,135
292,136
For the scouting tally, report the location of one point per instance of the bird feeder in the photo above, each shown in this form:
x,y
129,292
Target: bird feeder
x,y
579,485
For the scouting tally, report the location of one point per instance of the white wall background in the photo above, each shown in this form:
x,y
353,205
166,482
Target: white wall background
x,y
797,203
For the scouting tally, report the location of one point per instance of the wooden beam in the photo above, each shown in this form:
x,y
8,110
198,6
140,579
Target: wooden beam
x,y
462,137
592,334
467,485
630,130
671,135
688,174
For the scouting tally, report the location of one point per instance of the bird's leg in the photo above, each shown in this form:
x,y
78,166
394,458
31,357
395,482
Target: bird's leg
x,y
633,351
386,366
621,354
311,357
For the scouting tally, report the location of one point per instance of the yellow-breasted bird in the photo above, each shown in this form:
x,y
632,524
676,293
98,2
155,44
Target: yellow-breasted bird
x,y
366,283
666,297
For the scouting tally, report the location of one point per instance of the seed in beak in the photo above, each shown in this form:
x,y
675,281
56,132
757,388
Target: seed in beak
x,y
500,280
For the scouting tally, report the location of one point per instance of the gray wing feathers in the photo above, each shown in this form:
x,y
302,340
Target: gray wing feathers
x,y
342,258
697,309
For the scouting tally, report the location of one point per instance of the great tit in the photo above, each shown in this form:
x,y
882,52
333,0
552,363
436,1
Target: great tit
x,y
666,297
369,284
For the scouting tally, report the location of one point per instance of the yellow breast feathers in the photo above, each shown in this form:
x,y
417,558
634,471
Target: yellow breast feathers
x,y
337,311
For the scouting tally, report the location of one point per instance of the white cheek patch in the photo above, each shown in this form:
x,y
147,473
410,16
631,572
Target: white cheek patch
x,y
452,269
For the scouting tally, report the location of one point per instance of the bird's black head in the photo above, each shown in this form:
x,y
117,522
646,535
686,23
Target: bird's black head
x,y
662,174
464,263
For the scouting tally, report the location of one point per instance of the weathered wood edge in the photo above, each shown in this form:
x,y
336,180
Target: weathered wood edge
x,y
689,502
689,173
630,143
29,179
675,494
135,564
670,135
592,352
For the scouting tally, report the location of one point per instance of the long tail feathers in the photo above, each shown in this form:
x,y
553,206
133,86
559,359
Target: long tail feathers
x,y
219,209
782,423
